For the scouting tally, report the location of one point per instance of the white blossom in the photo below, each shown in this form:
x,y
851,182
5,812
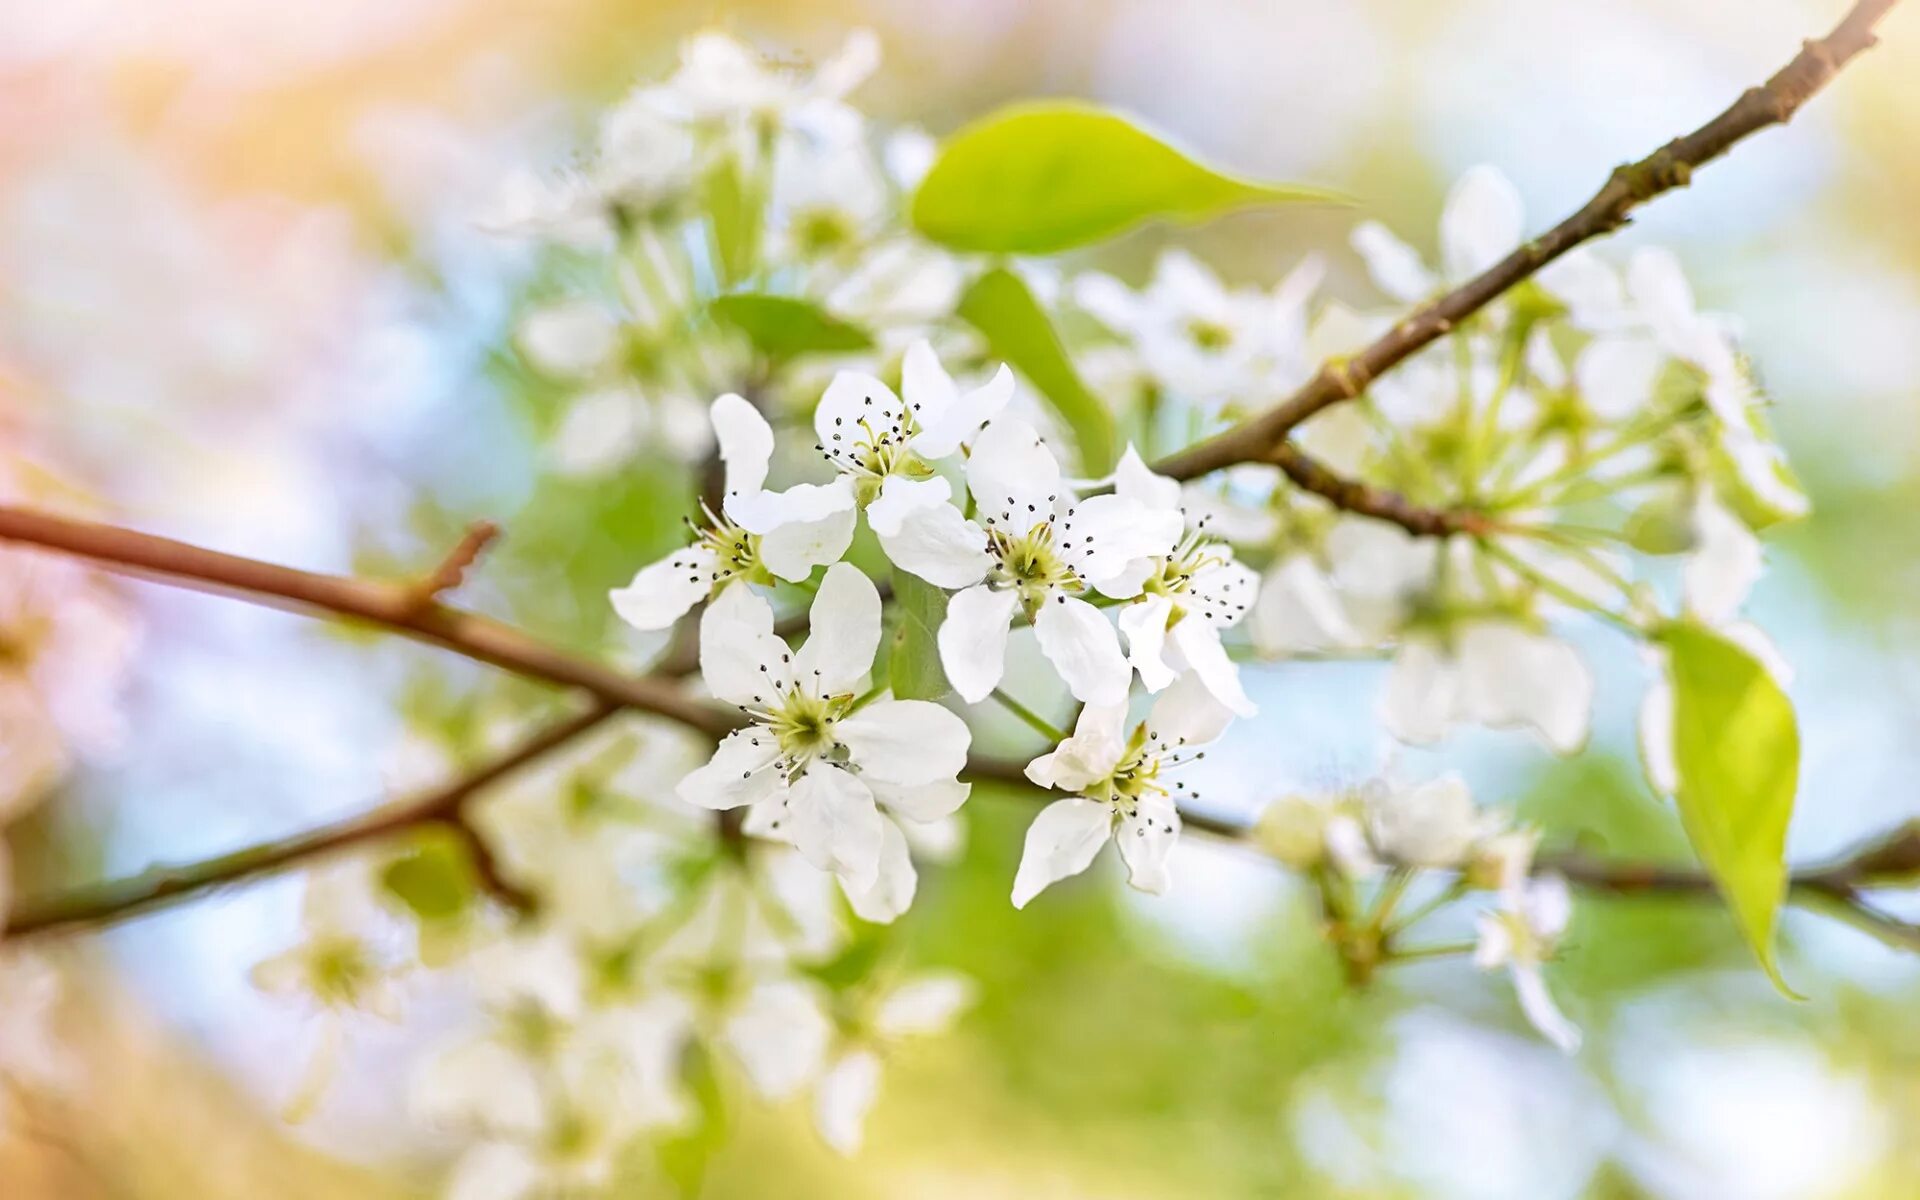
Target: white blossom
x,y
790,535
1521,935
1490,672
1185,598
1120,789
819,759
1035,548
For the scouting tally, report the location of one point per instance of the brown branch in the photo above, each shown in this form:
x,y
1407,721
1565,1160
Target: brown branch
x,y
1629,187
453,568
391,606
114,899
1369,501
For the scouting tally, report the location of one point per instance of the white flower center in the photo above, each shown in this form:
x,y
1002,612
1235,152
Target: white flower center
x,y
874,445
1034,561
1141,772
800,723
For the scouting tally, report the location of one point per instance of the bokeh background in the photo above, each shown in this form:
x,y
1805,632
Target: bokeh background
x,y
242,295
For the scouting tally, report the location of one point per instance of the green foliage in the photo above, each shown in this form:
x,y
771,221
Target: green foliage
x,y
1018,331
783,327
434,879
1046,176
735,210
1737,749
914,664
686,1157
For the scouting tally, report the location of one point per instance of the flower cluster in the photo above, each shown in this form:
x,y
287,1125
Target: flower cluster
x,y
897,517
1394,839
1591,420
738,174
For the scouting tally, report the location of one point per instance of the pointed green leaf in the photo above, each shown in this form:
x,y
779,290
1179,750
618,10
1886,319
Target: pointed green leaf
x,y
735,211
434,880
1019,332
1046,176
914,665
783,327
1736,749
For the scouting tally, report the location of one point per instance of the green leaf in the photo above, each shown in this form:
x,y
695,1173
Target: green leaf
x,y
782,327
914,664
685,1155
1019,332
434,880
735,211
1046,176
1737,753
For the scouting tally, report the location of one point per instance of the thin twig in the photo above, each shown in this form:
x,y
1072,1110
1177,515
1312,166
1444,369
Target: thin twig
x,y
1629,187
453,568
114,899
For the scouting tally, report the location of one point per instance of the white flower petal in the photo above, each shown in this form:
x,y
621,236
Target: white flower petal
x,y
1511,676
1082,645
905,741
746,444
601,431
569,340
1062,841
1189,713
899,497
1616,375
1482,222
973,640
832,820
1395,266
1146,837
1433,824
1134,480
1012,475
740,772
662,592
794,549
851,399
843,1097
494,1171
939,545
1297,610
1530,985
1106,533
780,1036
1144,625
801,504
963,419
843,632
922,803
1724,564
891,893
1198,642
924,1005
1422,691
1656,737
1089,754
740,656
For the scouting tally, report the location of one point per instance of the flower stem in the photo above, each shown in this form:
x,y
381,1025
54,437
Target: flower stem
x,y
1030,718
1439,950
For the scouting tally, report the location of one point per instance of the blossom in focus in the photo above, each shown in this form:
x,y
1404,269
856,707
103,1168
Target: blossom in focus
x,y
1120,789
820,759
1185,597
789,538
1035,548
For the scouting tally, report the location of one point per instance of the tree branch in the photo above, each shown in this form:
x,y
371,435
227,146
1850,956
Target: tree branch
x,y
1630,186
392,606
115,899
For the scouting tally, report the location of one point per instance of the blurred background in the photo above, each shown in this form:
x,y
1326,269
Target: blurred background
x,y
243,301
